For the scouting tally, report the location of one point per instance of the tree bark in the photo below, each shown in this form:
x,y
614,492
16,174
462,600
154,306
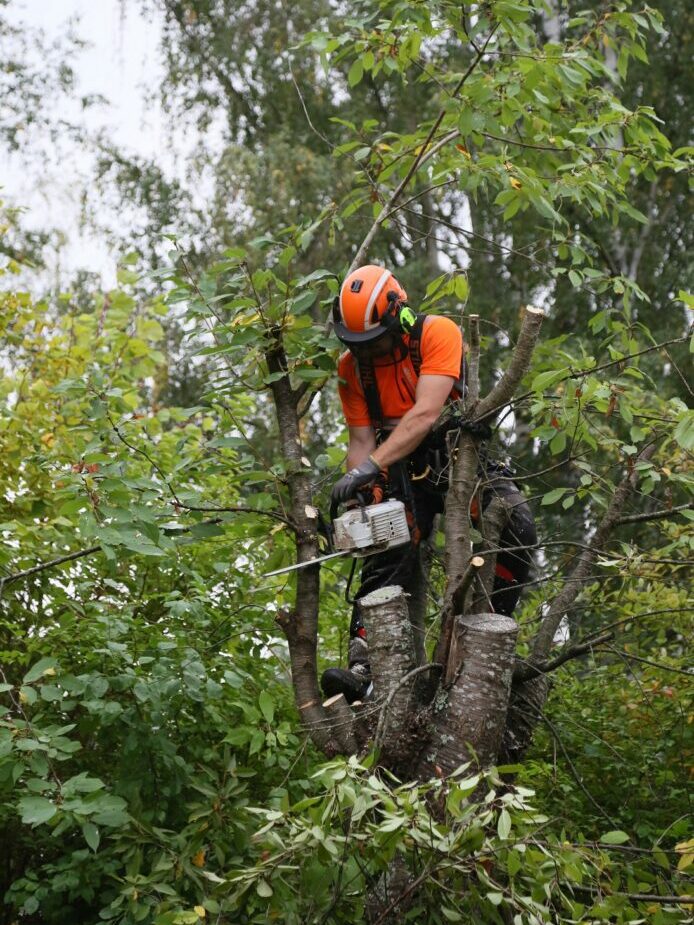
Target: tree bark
x,y
524,713
301,626
392,657
469,718
341,719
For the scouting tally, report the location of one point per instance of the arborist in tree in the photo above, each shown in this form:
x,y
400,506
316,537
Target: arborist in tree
x,y
400,382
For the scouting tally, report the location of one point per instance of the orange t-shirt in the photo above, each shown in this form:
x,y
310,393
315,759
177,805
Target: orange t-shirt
x,y
441,348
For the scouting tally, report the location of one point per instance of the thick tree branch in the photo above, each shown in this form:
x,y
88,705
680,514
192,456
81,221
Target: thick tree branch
x,y
392,658
505,388
383,717
463,485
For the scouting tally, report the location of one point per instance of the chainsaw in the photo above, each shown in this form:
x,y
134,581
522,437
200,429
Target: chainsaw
x,y
360,531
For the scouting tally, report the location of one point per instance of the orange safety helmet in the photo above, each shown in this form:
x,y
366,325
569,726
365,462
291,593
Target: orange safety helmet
x,y
368,305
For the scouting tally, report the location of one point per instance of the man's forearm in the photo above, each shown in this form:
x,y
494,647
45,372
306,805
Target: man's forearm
x,y
406,437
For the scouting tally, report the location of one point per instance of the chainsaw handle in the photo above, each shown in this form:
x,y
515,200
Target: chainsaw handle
x,y
361,499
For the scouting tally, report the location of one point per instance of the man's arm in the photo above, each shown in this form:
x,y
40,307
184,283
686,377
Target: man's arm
x,y
430,397
362,441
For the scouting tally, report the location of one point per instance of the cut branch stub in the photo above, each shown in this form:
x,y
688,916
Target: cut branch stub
x,y
391,655
342,722
468,718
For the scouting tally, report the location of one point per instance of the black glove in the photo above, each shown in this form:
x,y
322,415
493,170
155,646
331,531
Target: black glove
x,y
480,429
356,478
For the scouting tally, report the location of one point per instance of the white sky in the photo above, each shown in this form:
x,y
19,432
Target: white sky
x,y
120,64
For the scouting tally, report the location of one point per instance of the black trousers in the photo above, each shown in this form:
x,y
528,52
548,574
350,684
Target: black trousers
x,y
400,566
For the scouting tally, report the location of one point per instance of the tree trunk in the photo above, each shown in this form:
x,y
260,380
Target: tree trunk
x,y
469,718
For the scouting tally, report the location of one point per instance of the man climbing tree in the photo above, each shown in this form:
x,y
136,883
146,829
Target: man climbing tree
x,y
399,384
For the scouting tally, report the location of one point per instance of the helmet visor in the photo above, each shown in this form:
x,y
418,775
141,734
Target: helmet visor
x,y
351,338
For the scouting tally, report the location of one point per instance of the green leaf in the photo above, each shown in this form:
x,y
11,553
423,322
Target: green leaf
x,y
544,380
513,863
91,835
302,302
263,889
39,669
355,74
617,837
503,826
554,495
684,431
465,121
267,707
633,213
461,287
36,810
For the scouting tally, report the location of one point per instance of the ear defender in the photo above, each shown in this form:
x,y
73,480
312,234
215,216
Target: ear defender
x,y
407,318
399,317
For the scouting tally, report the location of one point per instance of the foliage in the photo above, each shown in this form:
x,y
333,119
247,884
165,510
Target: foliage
x,y
146,724
475,847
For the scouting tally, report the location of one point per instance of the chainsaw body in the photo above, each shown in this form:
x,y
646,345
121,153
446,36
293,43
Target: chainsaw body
x,y
361,531
369,529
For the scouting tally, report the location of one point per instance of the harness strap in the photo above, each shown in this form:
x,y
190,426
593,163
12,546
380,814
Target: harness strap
x,y
367,375
415,344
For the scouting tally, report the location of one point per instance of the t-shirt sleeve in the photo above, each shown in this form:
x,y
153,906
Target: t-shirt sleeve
x,y
442,347
354,406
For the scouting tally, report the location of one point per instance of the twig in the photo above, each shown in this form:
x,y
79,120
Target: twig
x,y
655,515
405,893
647,661
637,897
35,569
424,155
574,772
527,671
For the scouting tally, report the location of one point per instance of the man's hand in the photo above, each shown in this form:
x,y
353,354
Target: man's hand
x,y
348,486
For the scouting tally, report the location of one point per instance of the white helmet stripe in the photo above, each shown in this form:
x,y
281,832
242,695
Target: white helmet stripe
x,y
385,276
342,311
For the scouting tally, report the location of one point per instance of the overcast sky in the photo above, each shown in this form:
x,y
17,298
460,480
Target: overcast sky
x,y
120,63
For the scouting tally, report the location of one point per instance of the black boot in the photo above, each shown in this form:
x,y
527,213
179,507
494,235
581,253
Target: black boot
x,y
355,682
